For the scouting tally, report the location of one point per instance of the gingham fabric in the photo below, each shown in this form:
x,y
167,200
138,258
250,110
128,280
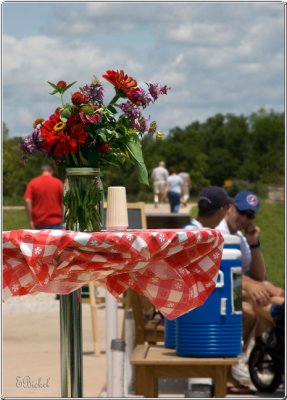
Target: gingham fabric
x,y
175,269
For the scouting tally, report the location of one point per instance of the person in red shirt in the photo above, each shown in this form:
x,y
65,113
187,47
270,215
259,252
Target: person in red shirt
x,y
44,201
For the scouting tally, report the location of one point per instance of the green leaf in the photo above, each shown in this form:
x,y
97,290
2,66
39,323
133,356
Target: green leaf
x,y
103,136
53,85
112,109
71,84
65,113
122,129
135,151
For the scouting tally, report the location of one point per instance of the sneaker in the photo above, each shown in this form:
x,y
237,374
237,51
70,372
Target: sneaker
x,y
240,370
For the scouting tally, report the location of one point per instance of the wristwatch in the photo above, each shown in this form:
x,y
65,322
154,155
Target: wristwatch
x,y
254,246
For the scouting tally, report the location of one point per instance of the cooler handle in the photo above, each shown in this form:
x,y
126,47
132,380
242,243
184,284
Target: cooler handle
x,y
220,281
223,306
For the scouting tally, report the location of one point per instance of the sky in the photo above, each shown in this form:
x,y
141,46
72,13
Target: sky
x,y
223,57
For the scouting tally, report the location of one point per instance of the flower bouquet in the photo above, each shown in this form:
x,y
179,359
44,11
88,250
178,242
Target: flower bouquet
x,y
86,133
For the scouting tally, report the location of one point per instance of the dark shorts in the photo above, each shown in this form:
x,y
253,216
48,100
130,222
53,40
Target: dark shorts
x,y
57,226
276,310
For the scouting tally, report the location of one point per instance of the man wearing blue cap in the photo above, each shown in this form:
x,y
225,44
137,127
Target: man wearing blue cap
x,y
239,218
256,289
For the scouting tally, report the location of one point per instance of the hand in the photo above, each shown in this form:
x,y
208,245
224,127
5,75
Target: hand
x,y
273,290
252,233
258,294
32,226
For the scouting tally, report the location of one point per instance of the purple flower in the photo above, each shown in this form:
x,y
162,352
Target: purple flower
x,y
141,124
140,97
138,121
32,142
130,110
157,89
94,92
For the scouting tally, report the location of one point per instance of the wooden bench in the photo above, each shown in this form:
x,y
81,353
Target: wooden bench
x,y
147,328
156,361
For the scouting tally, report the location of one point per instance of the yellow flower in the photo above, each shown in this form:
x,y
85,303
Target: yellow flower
x,y
37,122
159,135
59,126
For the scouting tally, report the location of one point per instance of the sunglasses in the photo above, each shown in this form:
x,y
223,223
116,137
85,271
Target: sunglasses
x,y
247,214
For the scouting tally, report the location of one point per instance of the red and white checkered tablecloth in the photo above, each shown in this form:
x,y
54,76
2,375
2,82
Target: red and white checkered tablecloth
x,y
175,269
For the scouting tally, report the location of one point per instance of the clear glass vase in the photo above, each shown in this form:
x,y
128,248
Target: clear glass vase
x,y
83,199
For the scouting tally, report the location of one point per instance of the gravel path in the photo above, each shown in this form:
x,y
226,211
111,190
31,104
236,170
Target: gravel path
x,y
31,303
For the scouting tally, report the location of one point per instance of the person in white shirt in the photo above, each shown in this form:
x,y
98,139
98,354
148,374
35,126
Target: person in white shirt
x,y
238,219
159,177
256,290
174,190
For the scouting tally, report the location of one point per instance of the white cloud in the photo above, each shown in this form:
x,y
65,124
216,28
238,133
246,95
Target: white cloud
x,y
216,57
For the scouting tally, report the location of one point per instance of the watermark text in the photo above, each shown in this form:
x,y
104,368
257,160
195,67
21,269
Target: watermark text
x,y
26,382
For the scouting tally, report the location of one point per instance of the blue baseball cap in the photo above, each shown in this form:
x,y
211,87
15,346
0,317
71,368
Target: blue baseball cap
x,y
247,201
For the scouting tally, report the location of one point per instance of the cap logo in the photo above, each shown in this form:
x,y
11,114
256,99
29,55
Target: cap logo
x,y
252,200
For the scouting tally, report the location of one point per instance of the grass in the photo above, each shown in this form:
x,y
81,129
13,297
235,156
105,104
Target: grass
x,y
270,220
14,219
272,236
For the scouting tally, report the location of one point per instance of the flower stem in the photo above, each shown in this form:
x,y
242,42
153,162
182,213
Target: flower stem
x,y
75,159
62,99
114,99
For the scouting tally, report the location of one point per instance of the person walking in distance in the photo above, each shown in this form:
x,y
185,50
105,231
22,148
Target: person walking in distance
x,y
174,190
159,177
185,188
44,201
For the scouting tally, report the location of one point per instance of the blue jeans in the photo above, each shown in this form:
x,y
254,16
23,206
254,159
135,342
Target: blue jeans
x,y
174,201
57,226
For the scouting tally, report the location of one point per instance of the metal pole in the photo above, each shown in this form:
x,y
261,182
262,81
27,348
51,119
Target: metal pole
x,y
118,358
71,345
111,333
130,344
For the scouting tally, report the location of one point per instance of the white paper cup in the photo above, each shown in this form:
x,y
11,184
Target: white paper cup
x,y
117,212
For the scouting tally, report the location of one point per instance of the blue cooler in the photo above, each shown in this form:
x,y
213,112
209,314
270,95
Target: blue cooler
x,y
215,328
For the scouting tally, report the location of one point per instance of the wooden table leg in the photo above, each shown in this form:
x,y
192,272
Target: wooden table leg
x,y
151,382
220,380
139,380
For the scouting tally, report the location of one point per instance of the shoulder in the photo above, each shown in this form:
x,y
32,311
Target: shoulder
x,y
34,181
193,224
222,227
57,181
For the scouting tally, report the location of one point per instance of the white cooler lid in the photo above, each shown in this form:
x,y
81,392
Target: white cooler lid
x,y
231,239
231,254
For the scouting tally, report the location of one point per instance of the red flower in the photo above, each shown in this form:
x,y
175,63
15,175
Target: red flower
x,y
61,138
61,84
103,148
121,81
78,98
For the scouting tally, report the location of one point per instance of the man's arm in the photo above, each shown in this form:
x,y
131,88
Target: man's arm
x,y
29,213
257,266
255,291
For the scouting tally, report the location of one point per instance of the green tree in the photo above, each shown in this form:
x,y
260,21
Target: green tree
x,y
249,150
17,172
5,131
268,140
